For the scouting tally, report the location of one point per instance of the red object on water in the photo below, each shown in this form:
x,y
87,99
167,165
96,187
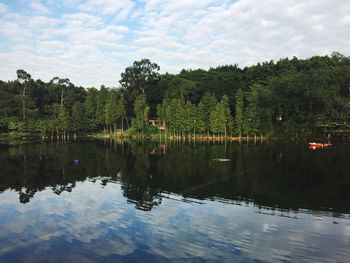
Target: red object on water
x,y
315,145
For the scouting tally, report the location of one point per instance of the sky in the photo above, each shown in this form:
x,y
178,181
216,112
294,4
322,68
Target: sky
x,y
92,41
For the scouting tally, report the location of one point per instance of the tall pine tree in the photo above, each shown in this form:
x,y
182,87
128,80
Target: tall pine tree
x,y
239,107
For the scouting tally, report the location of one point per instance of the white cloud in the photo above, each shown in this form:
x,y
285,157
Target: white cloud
x,y
38,7
120,9
42,21
93,41
3,8
14,31
82,19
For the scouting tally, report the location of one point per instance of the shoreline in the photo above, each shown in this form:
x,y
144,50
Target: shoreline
x,y
16,137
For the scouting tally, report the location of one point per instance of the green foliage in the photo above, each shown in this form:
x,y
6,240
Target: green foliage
x,y
77,117
217,119
206,107
227,114
178,87
120,110
292,97
23,76
141,110
252,114
189,117
90,109
101,105
221,118
16,125
62,119
239,107
111,109
136,77
28,126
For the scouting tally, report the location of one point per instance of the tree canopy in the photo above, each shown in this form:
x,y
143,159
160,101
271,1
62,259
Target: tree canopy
x,y
287,97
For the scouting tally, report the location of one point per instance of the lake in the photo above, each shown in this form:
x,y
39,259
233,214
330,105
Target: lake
x,y
150,202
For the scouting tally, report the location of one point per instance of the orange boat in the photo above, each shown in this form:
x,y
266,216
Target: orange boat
x,y
314,145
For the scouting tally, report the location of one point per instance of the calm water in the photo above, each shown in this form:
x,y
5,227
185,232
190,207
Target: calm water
x,y
142,202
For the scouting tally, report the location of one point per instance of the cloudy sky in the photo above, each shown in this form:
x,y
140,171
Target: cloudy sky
x,y
92,41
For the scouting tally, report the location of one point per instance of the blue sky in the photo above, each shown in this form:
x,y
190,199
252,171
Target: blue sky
x,y
92,41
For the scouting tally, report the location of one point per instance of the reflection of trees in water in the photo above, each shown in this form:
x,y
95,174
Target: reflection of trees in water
x,y
269,175
148,173
138,184
144,198
52,165
26,194
58,189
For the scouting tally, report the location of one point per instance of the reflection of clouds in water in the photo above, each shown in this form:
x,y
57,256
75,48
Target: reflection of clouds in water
x,y
122,245
268,228
98,220
72,216
347,231
228,231
188,228
9,197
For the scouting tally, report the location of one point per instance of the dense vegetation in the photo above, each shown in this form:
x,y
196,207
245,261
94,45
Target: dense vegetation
x,y
294,97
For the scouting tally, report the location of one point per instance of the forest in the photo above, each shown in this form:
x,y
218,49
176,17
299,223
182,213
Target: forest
x,y
292,98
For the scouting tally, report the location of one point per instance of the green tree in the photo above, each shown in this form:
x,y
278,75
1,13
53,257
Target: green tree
x,y
200,121
217,119
135,78
77,117
252,111
206,107
189,116
63,121
101,101
227,114
90,107
141,111
23,77
239,108
177,119
120,111
111,111
164,113
63,85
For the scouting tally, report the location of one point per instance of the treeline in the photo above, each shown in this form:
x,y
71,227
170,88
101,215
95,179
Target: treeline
x,y
212,117
58,108
292,97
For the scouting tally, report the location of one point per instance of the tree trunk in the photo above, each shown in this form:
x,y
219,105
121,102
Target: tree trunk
x,y
62,98
127,122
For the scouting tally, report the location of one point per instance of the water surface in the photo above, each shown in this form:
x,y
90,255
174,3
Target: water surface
x,y
151,202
